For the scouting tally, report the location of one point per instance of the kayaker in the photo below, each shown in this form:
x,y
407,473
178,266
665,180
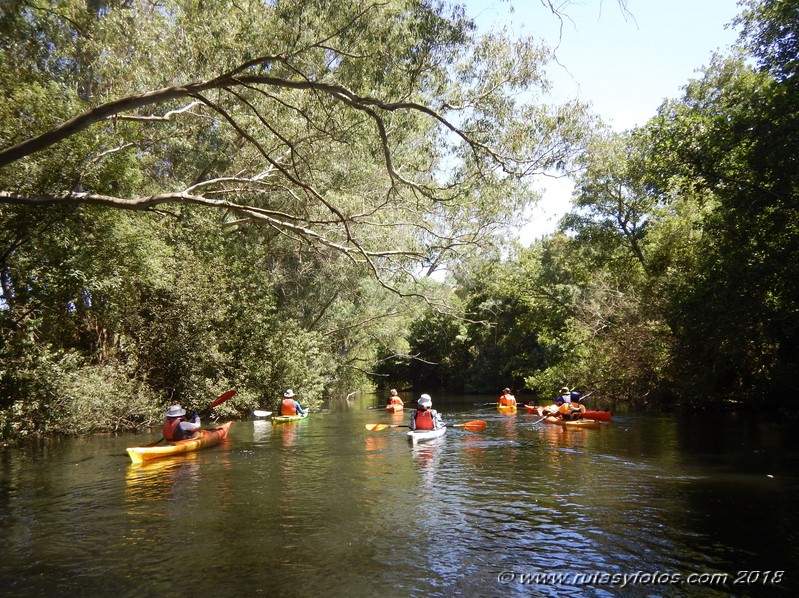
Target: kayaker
x,y
507,399
290,406
565,396
177,427
393,398
566,405
425,417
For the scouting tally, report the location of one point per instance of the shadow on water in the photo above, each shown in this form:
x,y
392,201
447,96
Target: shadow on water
x,y
323,506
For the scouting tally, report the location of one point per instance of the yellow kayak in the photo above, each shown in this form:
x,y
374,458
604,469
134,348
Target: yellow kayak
x,y
207,438
282,419
573,423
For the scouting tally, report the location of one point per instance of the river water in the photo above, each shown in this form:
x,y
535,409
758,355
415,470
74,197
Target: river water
x,y
648,505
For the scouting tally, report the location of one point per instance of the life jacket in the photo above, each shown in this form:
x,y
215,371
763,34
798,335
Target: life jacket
x,y
507,399
571,411
172,431
424,420
395,401
287,407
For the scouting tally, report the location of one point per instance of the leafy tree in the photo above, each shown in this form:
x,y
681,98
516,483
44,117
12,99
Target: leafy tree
x,y
368,119
736,321
343,150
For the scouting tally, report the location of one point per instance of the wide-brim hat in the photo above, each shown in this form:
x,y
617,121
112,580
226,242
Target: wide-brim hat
x,y
175,411
288,394
425,401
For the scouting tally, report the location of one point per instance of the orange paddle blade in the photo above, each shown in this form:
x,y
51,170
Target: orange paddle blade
x,y
476,425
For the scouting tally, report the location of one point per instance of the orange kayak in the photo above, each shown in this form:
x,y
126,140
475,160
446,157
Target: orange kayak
x,y
507,408
602,416
207,438
394,408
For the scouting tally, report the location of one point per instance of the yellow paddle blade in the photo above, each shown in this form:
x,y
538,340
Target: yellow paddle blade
x,y
377,427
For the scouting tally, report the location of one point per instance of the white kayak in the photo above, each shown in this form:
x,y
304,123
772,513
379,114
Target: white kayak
x,y
415,436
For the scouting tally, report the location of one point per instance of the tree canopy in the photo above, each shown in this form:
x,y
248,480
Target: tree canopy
x,y
201,195
198,194
672,278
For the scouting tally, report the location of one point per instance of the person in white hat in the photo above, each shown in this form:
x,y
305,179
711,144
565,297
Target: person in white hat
x,y
425,417
290,406
394,398
177,427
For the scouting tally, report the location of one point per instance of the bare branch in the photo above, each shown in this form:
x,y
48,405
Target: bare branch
x,y
154,118
147,203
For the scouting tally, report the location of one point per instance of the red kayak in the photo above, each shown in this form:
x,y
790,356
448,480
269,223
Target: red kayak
x,y
601,416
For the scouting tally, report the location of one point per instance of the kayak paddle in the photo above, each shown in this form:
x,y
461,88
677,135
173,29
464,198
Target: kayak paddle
x,y
258,413
219,400
476,425
380,427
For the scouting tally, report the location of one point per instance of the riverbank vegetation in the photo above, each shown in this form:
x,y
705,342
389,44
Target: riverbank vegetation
x,y
195,197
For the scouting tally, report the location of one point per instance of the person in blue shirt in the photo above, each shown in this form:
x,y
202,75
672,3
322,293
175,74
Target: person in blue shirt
x,y
568,404
290,406
177,427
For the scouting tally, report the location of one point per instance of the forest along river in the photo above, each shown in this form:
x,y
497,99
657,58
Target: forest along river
x,y
645,506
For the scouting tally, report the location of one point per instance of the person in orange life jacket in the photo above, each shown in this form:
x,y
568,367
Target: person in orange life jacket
x,y
290,406
567,404
393,398
425,417
177,427
507,399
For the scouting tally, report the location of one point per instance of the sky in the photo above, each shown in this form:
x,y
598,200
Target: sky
x,y
625,66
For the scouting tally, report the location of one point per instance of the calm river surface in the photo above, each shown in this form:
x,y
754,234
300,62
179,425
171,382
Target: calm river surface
x,y
323,507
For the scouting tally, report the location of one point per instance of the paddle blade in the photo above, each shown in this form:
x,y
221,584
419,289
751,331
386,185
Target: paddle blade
x,y
258,413
476,425
223,397
377,427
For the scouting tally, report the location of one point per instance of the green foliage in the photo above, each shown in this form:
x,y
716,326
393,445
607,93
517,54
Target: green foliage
x,y
674,276
59,393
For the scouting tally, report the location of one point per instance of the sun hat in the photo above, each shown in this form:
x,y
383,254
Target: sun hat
x,y
175,411
425,401
288,394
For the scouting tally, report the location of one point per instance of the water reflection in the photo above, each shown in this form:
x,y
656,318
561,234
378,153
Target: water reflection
x,y
375,442
426,456
286,432
161,478
260,430
323,503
